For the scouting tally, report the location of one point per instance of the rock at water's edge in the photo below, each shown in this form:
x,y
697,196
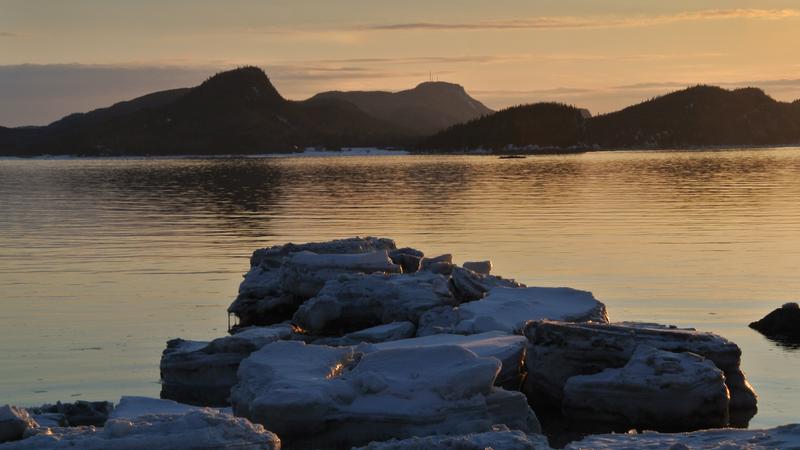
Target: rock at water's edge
x,y
558,351
202,373
194,430
655,389
782,323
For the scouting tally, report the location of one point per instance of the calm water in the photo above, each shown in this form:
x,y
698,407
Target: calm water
x,y
102,261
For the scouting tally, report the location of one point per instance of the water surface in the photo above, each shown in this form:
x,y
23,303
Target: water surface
x,y
102,261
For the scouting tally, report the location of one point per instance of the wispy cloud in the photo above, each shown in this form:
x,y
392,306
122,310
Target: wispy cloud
x,y
8,34
294,73
572,22
504,58
469,59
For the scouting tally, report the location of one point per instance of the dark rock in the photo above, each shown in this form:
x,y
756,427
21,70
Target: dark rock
x,y
441,268
408,258
782,324
482,267
468,285
427,262
80,413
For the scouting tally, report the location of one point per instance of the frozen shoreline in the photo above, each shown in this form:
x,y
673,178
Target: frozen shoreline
x,y
307,153
357,342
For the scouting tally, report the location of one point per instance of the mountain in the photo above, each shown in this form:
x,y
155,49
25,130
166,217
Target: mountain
x,y
541,124
694,117
422,111
154,100
238,111
700,116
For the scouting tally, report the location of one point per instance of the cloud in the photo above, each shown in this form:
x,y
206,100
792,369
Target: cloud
x,y
505,58
674,85
471,59
290,73
573,22
357,33
532,92
8,34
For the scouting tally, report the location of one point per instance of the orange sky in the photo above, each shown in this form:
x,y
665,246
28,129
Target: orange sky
x,y
598,55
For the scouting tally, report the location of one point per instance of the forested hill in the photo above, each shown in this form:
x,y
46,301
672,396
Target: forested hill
x,y
238,111
694,117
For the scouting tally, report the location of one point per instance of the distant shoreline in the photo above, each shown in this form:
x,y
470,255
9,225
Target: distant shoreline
x,y
378,152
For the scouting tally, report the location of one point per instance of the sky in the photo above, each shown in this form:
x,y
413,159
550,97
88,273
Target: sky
x,y
58,57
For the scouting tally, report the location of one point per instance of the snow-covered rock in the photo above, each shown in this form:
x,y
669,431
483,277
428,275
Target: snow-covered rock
x,y
15,423
558,351
508,309
353,302
50,420
203,373
133,407
508,349
305,273
337,397
261,299
274,256
656,388
381,333
499,439
190,431
785,437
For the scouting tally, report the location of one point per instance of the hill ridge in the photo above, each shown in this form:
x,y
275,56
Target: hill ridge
x,y
697,116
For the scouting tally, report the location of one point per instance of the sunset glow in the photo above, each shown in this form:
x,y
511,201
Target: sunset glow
x,y
73,56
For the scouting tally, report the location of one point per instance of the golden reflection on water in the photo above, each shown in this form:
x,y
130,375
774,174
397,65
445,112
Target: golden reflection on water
x,y
102,261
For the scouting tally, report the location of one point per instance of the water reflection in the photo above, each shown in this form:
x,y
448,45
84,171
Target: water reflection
x,y
785,344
